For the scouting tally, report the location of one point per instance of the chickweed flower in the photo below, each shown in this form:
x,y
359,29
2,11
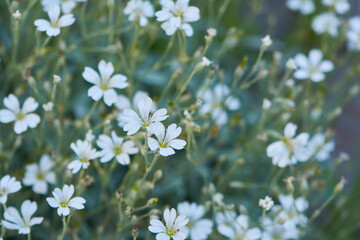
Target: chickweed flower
x,y
139,10
172,227
39,175
23,117
22,223
62,200
84,153
290,149
290,64
353,33
48,107
115,146
17,15
8,185
52,27
66,5
177,16
312,67
240,230
267,203
105,83
143,118
304,6
266,41
166,142
326,23
340,6
197,228
320,147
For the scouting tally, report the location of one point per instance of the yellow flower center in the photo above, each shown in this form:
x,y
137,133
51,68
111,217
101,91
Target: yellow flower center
x,y
63,204
170,231
117,150
40,176
178,14
20,116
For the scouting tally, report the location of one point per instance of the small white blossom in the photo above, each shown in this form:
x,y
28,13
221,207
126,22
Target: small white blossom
x,y
205,62
66,5
48,107
177,16
84,153
199,228
239,229
320,148
22,223
326,23
115,147
290,64
23,117
266,41
105,83
211,32
171,229
89,136
166,142
144,118
57,78
267,203
313,67
341,6
139,10
8,185
290,149
217,101
304,6
266,104
353,33
293,210
39,175
52,27
17,15
62,200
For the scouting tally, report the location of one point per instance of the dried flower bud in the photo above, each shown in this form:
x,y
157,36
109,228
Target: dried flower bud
x,y
134,232
128,211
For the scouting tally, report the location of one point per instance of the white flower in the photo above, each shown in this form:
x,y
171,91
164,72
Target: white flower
x,y
225,221
326,23
320,147
293,211
39,175
22,223
84,153
8,185
211,33
57,78
291,64
198,228
52,27
134,121
139,10
48,107
166,142
89,136
266,104
240,230
115,147
177,16
23,117
341,6
217,101
205,62
304,6
62,200
353,33
172,226
313,67
66,5
290,149
17,15
266,41
105,83
267,203
277,229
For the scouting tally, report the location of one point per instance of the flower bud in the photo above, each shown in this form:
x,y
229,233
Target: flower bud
x,y
339,187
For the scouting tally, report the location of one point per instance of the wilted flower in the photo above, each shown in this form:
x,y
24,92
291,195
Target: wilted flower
x,y
105,83
115,147
8,185
84,153
62,200
198,228
172,227
166,142
23,117
326,23
313,67
52,27
177,16
22,223
139,10
39,175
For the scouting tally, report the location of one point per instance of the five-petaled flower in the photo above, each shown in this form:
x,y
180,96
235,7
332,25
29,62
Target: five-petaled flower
x,y
139,10
22,223
105,83
52,27
23,117
171,229
84,153
8,185
62,200
166,142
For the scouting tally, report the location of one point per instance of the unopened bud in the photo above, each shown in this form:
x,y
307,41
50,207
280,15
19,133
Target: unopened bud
x,y
152,202
339,187
289,185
